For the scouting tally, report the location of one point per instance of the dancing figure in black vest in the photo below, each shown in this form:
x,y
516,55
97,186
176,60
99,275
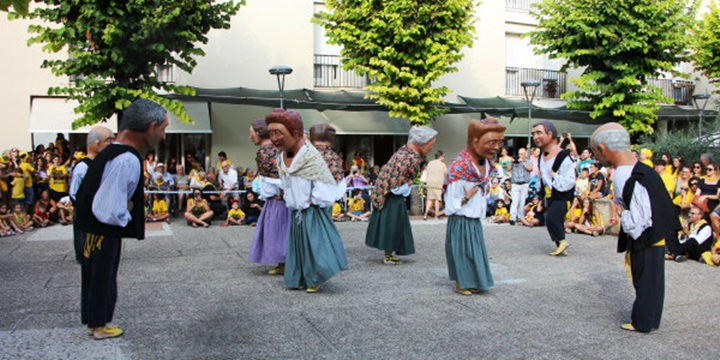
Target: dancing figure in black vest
x,y
110,207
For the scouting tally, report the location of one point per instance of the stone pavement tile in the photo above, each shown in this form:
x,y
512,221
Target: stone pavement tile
x,y
278,334
40,251
64,344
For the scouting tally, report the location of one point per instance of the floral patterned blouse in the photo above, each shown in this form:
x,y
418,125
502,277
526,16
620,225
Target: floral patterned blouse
x,y
266,159
333,161
402,168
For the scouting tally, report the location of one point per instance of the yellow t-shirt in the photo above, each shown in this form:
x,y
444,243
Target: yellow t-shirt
x,y
337,209
235,214
356,205
679,199
573,213
18,188
28,171
160,207
597,220
58,185
503,211
670,181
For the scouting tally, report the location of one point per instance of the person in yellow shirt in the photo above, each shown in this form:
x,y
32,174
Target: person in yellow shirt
x,y
591,221
646,156
501,213
18,187
337,213
668,179
573,215
356,207
159,209
27,170
58,179
684,200
235,216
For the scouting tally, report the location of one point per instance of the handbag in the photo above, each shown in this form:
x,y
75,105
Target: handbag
x,y
702,203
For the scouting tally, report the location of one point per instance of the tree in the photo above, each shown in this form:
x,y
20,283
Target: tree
x,y
19,6
114,48
705,44
620,44
403,46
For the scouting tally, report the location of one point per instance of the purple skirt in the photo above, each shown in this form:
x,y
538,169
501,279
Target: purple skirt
x,y
269,241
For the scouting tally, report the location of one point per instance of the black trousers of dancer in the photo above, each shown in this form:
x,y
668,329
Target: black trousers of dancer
x,y
555,212
648,275
100,263
691,248
78,243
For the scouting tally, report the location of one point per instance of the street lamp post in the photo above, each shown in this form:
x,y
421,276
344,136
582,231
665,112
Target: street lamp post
x,y
696,99
533,84
280,72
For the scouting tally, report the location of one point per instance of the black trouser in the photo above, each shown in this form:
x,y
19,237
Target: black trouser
x,y
691,248
555,212
100,263
78,242
648,274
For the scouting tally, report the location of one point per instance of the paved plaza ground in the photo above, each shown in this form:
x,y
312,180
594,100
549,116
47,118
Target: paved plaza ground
x,y
189,293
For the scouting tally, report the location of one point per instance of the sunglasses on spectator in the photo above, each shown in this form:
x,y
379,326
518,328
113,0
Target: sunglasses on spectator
x,y
693,184
710,169
697,167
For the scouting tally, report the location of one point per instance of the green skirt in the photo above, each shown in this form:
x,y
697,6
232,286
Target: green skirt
x,y
466,254
389,229
315,251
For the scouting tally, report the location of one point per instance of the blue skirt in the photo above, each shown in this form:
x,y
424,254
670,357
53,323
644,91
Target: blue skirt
x,y
466,254
389,229
315,251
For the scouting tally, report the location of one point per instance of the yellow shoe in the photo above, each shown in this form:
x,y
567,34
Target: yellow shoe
x,y
91,331
628,327
462,291
278,270
312,290
107,332
561,248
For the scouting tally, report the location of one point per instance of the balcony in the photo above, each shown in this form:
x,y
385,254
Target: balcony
x,y
552,82
679,90
330,74
519,5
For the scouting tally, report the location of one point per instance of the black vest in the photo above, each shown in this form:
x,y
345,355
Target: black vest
x,y
664,214
87,221
556,194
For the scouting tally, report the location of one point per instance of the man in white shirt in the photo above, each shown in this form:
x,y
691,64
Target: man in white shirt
x,y
228,179
695,238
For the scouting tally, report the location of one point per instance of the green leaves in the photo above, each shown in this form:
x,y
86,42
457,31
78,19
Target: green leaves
x,y
705,45
404,46
619,47
115,48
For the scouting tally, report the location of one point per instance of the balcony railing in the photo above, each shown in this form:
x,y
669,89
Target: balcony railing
x,y
552,82
520,5
679,90
330,73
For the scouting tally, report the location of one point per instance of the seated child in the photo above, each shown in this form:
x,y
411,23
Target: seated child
x,y
160,209
356,205
337,213
582,183
20,219
573,215
65,213
591,221
712,257
533,213
501,213
5,229
235,215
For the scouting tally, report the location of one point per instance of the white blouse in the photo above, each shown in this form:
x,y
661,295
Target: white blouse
x,y
301,193
475,207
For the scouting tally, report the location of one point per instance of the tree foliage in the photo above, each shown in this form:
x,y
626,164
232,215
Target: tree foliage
x,y
620,44
114,48
19,6
705,44
403,46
